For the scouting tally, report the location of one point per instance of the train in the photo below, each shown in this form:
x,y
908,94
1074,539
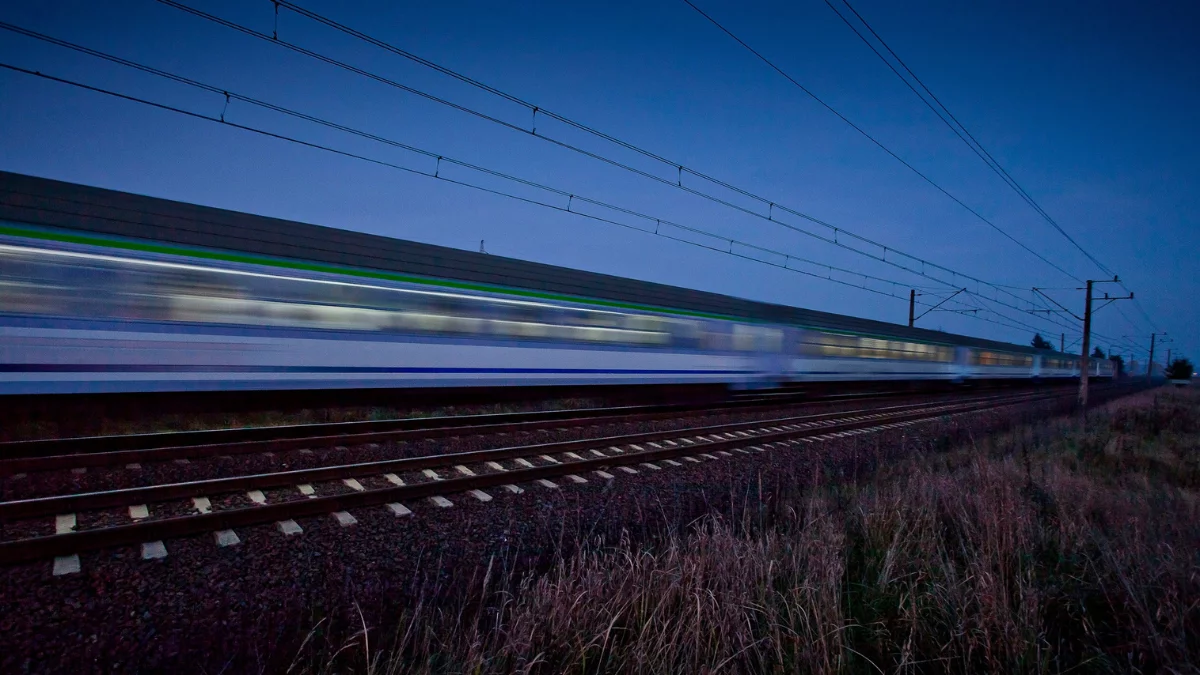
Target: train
x,y
104,292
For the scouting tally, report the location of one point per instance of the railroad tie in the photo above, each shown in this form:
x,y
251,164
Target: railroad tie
x,y
66,564
289,527
154,550
65,523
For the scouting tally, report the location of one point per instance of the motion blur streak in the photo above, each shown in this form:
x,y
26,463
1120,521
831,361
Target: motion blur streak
x,y
94,318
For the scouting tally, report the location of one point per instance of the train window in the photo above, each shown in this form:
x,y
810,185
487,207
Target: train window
x,y
717,337
990,358
830,344
756,338
743,338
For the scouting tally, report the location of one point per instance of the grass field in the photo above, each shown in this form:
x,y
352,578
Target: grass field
x,y
1050,548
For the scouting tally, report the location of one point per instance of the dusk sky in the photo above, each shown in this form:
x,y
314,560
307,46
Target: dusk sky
x,y
1091,106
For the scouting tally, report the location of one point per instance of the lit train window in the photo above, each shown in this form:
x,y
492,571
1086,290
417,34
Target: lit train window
x,y
757,338
100,285
834,345
989,358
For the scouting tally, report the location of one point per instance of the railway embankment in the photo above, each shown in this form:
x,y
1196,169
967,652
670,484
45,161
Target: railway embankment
x,y
1000,540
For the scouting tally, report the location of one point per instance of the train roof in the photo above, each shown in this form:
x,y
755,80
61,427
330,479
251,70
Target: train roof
x,y
56,204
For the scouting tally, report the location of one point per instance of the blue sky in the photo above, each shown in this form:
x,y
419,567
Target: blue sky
x,y
1090,106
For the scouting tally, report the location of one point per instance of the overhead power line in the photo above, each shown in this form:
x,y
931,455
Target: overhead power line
x,y
838,235
876,142
943,113
678,182
730,246
954,125
223,119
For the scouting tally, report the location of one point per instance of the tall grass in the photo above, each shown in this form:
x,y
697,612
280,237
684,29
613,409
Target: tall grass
x,y
1047,549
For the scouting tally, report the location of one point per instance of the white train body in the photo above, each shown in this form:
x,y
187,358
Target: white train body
x,y
92,315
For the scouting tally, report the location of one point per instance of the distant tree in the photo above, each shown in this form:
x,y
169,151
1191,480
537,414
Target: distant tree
x,y
1180,369
1040,342
1118,364
1098,353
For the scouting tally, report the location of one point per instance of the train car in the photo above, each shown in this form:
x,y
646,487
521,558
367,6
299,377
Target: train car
x,y
106,292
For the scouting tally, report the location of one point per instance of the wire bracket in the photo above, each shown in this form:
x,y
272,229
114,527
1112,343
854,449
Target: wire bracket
x,y
226,108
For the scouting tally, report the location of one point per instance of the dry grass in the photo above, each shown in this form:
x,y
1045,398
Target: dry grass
x,y
1047,549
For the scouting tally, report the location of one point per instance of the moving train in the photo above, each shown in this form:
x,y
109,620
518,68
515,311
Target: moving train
x,y
86,308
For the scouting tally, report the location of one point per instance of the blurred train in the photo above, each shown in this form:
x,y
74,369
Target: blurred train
x,y
201,300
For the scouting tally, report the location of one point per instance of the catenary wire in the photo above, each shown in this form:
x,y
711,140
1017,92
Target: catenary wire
x,y
836,230
875,141
772,206
973,143
659,222
352,155
558,207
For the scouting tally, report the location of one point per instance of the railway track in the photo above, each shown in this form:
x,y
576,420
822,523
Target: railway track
x,y
97,451
158,513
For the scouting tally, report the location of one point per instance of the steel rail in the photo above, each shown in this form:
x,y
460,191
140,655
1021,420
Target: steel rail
x,y
158,439
51,454
170,528
32,464
28,508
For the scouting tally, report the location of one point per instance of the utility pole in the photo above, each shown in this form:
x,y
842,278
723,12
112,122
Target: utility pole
x,y
1150,361
1085,356
1084,366
1062,343
912,305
